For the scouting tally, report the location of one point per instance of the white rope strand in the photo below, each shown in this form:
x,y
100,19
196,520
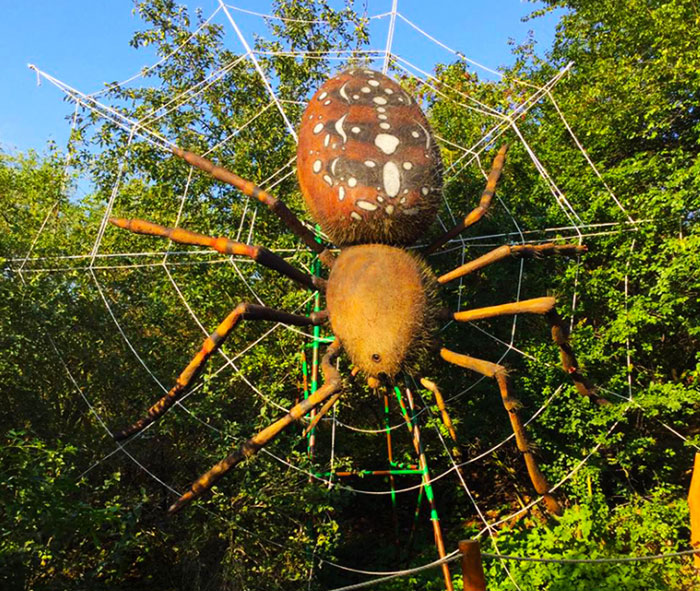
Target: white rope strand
x,y
142,73
109,113
451,557
390,36
260,71
112,197
587,157
297,20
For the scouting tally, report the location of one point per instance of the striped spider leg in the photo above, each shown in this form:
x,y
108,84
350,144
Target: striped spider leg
x,y
511,404
273,203
444,415
330,389
244,311
484,203
544,306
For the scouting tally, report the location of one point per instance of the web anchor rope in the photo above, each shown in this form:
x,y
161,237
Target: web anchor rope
x,y
388,576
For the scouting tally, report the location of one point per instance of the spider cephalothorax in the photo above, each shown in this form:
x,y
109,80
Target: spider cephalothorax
x,y
368,165
370,172
382,307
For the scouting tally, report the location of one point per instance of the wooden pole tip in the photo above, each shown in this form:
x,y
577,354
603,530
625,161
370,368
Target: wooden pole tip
x,y
694,506
472,567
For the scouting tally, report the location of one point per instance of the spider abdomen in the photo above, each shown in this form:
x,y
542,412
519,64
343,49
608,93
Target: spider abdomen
x,y
368,165
380,307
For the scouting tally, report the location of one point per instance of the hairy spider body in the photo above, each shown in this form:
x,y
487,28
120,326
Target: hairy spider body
x,y
371,175
382,302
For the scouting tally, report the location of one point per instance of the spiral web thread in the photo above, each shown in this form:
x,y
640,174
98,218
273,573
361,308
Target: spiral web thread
x,y
471,155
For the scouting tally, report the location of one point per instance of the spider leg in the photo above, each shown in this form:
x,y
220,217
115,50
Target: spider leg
x,y
321,413
331,386
500,374
243,311
560,335
484,203
446,420
518,250
432,387
533,306
223,245
275,205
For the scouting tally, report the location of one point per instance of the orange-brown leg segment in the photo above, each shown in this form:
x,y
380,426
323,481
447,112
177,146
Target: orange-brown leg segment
x,y
331,386
275,205
321,413
213,343
533,306
223,245
560,335
516,250
432,387
499,373
484,203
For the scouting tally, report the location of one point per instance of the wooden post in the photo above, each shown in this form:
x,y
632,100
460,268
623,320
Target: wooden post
x,y
472,569
694,505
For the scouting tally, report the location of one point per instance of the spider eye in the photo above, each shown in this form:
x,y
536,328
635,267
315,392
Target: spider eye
x,y
376,358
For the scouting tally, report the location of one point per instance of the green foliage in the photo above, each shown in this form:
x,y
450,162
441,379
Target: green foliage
x,y
594,529
57,529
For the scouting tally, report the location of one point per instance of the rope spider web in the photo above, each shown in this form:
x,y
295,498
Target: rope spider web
x,y
99,261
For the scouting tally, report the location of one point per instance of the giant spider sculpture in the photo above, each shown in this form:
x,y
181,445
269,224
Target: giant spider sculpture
x,y
371,175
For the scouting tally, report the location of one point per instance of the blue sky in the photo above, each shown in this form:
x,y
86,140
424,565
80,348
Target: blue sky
x,y
86,42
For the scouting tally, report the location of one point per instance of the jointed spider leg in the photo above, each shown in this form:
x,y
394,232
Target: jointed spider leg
x,y
243,311
331,386
560,335
500,374
484,203
516,250
321,413
432,387
446,420
223,245
275,205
